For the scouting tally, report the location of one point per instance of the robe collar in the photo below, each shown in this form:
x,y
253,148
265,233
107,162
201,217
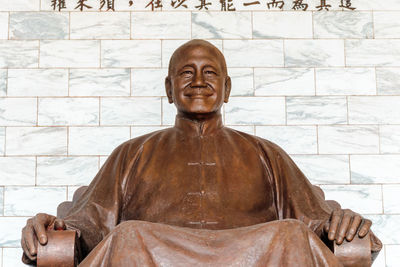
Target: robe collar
x,y
196,128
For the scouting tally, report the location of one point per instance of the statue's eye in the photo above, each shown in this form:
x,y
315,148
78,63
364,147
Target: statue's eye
x,y
186,72
210,72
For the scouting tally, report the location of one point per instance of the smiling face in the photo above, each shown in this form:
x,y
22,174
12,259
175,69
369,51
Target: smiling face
x,y
197,81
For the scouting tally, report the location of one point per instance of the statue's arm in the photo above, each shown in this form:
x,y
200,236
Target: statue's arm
x,y
296,198
98,210
94,214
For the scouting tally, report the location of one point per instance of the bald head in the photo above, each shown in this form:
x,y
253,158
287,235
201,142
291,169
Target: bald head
x,y
193,44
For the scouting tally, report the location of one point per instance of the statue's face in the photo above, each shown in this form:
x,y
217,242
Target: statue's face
x,y
198,82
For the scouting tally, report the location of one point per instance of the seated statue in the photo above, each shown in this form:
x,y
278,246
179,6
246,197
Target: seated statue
x,y
199,193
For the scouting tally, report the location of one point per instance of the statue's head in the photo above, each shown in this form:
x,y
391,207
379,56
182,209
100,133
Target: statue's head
x,y
197,82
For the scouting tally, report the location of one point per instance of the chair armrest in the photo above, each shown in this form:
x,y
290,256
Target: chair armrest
x,y
356,253
61,249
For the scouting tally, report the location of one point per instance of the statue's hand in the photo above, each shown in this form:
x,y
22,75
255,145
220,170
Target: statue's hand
x,y
34,230
345,224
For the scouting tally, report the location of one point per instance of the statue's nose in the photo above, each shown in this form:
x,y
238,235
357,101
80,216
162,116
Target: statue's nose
x,y
198,81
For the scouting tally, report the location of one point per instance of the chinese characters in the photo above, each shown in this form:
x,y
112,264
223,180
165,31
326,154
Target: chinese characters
x,y
204,5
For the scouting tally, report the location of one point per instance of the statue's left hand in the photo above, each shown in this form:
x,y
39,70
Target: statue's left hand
x,y
345,224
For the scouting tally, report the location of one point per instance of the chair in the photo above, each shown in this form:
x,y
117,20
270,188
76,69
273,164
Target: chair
x,y
62,249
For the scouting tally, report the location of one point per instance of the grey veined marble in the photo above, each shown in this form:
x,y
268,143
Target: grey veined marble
x,y
38,25
388,81
2,139
343,24
3,82
235,25
19,54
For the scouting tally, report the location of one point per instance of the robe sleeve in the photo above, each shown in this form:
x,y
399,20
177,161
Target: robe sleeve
x,y
98,211
295,197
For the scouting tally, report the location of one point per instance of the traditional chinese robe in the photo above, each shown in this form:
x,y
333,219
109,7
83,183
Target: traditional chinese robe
x,y
201,194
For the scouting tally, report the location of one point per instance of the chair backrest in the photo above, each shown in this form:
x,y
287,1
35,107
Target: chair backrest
x,y
65,206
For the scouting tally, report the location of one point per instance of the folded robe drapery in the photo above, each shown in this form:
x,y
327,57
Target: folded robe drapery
x,y
198,175
279,243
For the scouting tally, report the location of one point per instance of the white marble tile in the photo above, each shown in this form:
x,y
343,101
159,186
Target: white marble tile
x,y
362,52
220,25
3,25
253,53
100,25
243,128
168,112
148,82
3,82
18,111
1,201
17,170
378,5
284,81
366,199
131,111
11,236
391,198
131,53
69,53
314,53
96,140
19,54
99,82
293,139
345,81
2,139
31,25
390,138
68,111
161,25
137,131
12,257
66,170
255,110
386,24
392,255
282,25
368,169
348,139
242,80
386,227
19,5
324,169
27,201
316,110
374,109
37,82
36,141
169,46
380,260
338,24
388,81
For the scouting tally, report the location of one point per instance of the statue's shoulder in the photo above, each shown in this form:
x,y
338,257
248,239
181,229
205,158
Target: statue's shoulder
x,y
256,140
137,143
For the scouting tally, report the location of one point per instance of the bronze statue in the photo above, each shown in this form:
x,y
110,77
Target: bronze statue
x,y
200,193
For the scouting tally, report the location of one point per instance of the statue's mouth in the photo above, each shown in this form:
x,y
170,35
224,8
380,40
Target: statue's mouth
x,y
198,92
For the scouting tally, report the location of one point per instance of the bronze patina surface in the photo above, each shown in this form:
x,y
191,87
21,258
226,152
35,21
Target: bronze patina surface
x,y
200,193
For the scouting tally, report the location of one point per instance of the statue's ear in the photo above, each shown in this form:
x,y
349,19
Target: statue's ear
x,y
168,89
228,86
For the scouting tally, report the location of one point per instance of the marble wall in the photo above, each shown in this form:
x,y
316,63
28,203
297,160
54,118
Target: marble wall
x,y
324,85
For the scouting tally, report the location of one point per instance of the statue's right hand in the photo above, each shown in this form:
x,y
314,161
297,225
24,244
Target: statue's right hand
x,y
35,230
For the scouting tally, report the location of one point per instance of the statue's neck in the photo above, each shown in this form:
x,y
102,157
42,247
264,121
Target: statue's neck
x,y
199,125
